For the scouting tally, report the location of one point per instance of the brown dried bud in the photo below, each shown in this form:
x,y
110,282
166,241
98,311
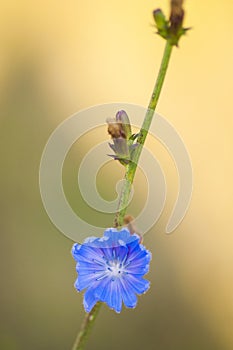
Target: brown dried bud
x,y
127,219
115,129
177,4
176,16
129,222
122,117
123,141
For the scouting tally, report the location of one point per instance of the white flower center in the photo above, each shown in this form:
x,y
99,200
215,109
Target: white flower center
x,y
115,268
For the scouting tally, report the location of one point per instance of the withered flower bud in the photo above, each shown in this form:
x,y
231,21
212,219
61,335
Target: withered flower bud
x,y
129,222
115,129
122,117
123,141
176,16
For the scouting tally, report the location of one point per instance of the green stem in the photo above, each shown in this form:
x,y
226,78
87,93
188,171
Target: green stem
x,y
132,167
86,328
129,177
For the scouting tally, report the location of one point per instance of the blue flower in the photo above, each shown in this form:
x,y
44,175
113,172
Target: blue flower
x,y
111,269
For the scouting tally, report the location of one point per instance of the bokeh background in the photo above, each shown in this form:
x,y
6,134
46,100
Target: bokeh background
x,y
58,57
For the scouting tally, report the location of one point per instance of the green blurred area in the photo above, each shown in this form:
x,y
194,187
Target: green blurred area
x,y
61,57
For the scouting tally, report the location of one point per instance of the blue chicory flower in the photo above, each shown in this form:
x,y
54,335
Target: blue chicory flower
x,y
111,269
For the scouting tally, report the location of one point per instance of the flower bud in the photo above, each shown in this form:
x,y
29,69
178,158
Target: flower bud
x,y
123,141
161,23
115,129
171,29
176,16
122,117
159,18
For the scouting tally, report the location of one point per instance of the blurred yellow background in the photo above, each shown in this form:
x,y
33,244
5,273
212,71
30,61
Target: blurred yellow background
x,y
58,57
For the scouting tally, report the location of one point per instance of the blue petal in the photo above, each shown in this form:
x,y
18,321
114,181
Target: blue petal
x,y
107,290
74,250
134,238
102,288
114,298
89,300
96,242
116,237
118,253
137,251
137,284
90,240
108,254
84,268
128,296
135,248
85,281
138,266
140,270
124,234
88,254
